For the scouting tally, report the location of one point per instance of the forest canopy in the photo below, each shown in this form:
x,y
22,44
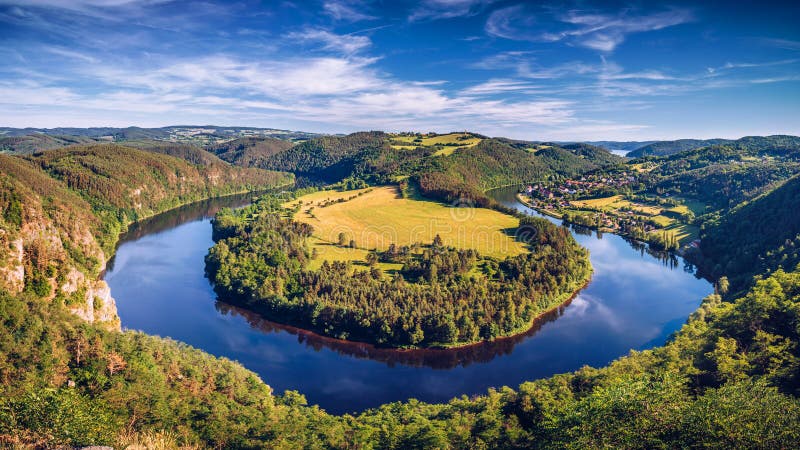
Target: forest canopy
x,y
440,296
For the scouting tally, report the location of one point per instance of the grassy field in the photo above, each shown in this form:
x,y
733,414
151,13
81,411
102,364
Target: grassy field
x,y
683,232
599,203
462,139
698,208
380,217
615,203
327,251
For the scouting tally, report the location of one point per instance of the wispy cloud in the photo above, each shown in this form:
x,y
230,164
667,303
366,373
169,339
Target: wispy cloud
x,y
60,51
787,44
448,9
341,43
602,31
500,86
342,92
749,65
775,79
79,4
512,22
347,10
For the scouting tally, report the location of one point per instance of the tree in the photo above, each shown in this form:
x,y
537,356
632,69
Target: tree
x,y
723,285
372,258
342,239
115,363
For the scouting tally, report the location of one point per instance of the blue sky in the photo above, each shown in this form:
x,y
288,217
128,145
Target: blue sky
x,y
568,70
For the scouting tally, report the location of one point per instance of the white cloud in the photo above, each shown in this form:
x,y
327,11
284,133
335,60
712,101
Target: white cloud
x,y
342,43
340,93
347,10
598,31
500,86
70,54
512,22
786,44
78,4
749,65
447,9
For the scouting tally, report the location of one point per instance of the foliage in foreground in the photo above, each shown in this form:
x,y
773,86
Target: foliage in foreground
x,y
729,379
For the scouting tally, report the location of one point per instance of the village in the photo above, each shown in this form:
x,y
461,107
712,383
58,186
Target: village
x,y
605,201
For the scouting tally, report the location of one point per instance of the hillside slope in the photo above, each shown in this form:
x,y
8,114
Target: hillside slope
x,y
666,148
729,379
63,211
756,237
24,145
747,143
466,174
250,151
723,176
188,152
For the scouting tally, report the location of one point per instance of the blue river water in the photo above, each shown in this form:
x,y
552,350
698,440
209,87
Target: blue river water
x,y
635,300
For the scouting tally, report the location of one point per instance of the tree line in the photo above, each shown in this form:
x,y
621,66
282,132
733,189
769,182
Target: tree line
x,y
441,296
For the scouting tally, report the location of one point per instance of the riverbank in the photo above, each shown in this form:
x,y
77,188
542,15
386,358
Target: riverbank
x,y
179,302
100,302
436,295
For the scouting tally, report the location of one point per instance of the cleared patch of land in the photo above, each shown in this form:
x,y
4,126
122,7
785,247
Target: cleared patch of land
x,y
380,217
451,141
665,218
617,202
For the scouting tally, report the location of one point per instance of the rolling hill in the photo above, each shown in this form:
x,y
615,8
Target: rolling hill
x,y
666,148
29,143
63,211
250,151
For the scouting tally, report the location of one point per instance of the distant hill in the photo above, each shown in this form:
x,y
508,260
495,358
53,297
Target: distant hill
x,y
328,158
202,134
725,175
250,151
187,152
466,174
665,148
623,147
27,144
597,154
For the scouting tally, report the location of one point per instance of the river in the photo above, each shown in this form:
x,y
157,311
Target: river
x,y
635,300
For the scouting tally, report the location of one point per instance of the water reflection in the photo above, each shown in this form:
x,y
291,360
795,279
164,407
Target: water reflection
x,y
434,358
634,301
192,212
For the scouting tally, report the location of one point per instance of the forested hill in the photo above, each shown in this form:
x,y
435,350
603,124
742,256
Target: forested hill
x,y
445,171
666,148
730,378
250,151
595,154
328,158
189,152
28,144
755,144
467,173
722,176
190,133
622,146
755,238
63,211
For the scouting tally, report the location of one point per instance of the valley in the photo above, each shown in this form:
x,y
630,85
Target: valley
x,y
311,275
